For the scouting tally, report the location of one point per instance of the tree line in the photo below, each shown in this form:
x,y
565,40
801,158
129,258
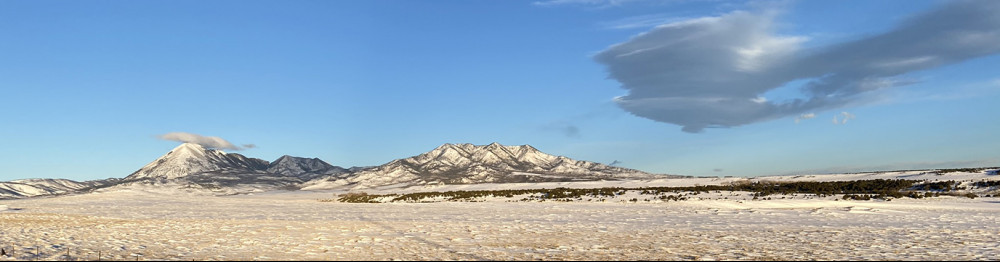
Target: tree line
x,y
857,190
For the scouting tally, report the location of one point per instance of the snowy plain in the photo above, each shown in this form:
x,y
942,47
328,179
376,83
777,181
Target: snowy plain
x,y
130,224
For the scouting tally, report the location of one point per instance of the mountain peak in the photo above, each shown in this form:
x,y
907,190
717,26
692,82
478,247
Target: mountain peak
x,y
189,150
189,158
295,160
190,147
305,168
455,145
284,158
470,146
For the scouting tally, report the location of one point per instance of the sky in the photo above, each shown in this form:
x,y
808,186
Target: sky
x,y
98,89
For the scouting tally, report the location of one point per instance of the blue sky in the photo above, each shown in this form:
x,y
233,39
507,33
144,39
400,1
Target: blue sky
x,y
703,88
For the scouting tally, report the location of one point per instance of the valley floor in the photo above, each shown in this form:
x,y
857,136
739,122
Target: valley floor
x,y
122,225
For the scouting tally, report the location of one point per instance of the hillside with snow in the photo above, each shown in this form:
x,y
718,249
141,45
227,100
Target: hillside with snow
x,y
43,187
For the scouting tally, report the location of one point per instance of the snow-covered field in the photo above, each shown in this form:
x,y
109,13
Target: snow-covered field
x,y
927,175
124,224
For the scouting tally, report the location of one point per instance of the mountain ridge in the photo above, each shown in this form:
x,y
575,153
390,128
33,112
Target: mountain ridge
x,y
470,164
304,168
193,166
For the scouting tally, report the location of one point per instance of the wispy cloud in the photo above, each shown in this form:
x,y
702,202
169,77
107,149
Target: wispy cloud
x,y
709,72
844,116
642,21
960,91
206,141
581,2
566,128
804,117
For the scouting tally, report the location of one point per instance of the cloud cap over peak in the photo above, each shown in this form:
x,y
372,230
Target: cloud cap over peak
x,y
712,71
205,141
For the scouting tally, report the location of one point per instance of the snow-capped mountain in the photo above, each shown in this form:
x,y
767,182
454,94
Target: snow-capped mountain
x,y
188,159
304,168
193,166
471,164
41,187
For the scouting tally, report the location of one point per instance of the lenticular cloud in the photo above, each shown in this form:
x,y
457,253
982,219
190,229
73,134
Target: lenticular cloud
x,y
711,72
205,141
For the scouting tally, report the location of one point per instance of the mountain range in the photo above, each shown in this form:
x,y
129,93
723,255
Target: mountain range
x,y
194,166
472,164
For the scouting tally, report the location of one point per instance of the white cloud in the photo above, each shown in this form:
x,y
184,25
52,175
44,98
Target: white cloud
x,y
710,71
804,117
844,116
905,62
206,141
